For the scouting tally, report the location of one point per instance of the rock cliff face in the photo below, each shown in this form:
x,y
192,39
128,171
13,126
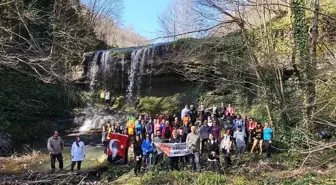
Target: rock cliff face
x,y
6,145
131,71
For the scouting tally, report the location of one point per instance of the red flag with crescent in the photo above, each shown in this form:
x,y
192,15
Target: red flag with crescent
x,y
117,148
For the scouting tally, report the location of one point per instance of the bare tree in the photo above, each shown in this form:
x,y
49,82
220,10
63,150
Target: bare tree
x,y
44,39
179,17
104,9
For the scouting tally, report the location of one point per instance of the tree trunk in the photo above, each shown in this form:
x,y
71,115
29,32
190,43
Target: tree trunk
x,y
311,82
307,67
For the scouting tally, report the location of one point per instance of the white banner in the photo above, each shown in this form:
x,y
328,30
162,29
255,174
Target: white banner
x,y
172,149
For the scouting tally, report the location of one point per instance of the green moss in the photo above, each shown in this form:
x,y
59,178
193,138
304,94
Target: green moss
x,y
183,42
120,102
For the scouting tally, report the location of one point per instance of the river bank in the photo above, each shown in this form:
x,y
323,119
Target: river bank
x,y
251,170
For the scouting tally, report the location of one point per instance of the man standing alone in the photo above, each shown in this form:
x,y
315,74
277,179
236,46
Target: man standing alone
x,y
55,146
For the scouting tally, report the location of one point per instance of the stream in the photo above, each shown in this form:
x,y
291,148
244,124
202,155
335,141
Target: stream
x,y
33,156
38,160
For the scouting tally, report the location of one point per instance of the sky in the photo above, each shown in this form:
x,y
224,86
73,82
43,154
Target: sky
x,y
142,15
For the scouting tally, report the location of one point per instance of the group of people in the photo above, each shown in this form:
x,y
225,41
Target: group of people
x,y
105,96
208,132
55,146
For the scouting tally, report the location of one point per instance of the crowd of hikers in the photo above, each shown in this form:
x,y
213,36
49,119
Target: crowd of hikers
x,y
208,132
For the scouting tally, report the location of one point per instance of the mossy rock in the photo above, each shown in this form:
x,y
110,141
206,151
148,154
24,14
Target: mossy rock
x,y
120,102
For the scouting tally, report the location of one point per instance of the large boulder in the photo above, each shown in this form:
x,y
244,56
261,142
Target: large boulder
x,y
6,144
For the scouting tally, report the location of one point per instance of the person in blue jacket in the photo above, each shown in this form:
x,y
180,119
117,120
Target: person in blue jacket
x,y
163,125
138,128
147,150
238,122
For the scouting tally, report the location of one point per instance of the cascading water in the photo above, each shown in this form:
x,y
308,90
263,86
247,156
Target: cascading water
x,y
122,70
114,70
138,61
107,70
93,70
141,70
105,66
95,118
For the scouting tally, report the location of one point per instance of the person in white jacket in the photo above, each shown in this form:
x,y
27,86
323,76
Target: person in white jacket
x,y
77,153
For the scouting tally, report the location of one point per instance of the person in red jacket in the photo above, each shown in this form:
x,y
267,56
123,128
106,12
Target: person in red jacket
x,y
250,125
167,131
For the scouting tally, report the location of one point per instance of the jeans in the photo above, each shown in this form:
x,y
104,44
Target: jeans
x,y
158,158
268,148
240,150
78,165
184,160
59,158
138,165
148,159
174,163
227,157
126,156
195,160
204,144
105,143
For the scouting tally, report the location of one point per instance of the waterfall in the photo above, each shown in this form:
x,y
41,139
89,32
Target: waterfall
x,y
122,71
109,70
93,70
138,61
94,118
105,68
141,70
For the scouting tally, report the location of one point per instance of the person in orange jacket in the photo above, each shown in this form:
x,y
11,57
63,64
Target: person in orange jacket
x,y
131,128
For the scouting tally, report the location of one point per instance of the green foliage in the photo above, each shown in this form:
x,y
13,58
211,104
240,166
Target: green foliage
x,y
210,100
181,177
309,178
27,104
120,102
258,112
209,178
155,105
301,29
183,42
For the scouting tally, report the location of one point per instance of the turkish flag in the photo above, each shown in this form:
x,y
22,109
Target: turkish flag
x,y
117,148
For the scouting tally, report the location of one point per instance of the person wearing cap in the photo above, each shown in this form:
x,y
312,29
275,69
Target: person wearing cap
x,y
55,146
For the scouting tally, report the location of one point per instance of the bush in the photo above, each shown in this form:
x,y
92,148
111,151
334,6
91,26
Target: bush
x,y
157,105
28,105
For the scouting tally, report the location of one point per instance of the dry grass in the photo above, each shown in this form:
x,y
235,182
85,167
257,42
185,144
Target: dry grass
x,y
21,163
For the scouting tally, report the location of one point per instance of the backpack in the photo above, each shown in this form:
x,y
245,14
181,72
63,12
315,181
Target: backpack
x,y
167,133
